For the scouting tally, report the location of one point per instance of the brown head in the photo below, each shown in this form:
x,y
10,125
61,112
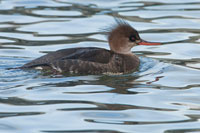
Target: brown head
x,y
122,37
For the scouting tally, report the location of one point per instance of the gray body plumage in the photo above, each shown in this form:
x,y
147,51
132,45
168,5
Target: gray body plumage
x,y
85,61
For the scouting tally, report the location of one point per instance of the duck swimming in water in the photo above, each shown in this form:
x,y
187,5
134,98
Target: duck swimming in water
x,y
91,60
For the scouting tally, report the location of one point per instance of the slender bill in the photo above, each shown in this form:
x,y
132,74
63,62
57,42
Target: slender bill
x,y
142,42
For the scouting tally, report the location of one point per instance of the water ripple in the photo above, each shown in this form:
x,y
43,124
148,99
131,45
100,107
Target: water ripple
x,y
164,92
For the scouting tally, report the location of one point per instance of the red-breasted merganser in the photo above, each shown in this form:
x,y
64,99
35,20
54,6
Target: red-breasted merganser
x,y
91,60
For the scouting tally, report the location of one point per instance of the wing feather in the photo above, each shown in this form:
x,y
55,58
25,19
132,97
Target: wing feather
x,y
92,54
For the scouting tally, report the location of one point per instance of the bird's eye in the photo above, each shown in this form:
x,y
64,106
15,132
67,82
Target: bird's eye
x,y
132,38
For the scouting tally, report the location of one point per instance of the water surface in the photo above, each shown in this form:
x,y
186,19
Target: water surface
x,y
162,97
